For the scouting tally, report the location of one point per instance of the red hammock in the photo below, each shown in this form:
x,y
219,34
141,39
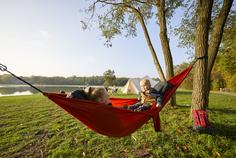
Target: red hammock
x,y
114,121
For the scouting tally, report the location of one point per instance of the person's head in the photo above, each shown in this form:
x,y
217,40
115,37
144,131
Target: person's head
x,y
145,85
100,95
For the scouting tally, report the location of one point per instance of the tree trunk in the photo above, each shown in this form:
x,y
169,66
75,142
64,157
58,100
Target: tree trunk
x,y
165,45
216,36
199,96
147,37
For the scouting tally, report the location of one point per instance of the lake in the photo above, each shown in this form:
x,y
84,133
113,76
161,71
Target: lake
x,y
12,90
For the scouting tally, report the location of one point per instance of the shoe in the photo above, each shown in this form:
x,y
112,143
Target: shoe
x,y
159,102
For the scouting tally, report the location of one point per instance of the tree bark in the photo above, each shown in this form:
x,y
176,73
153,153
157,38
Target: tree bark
x,y
199,96
150,45
165,45
216,37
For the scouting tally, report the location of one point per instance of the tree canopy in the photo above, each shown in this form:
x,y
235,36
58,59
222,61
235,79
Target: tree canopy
x,y
119,17
109,78
225,68
186,30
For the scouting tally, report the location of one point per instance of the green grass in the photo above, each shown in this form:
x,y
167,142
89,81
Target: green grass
x,y
33,126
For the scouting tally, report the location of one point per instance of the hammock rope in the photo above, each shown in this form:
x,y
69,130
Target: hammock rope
x,y
4,68
112,121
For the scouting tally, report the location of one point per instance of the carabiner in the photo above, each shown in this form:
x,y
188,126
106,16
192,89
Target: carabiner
x,y
3,67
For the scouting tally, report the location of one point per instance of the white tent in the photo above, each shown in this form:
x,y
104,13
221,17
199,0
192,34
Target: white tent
x,y
132,85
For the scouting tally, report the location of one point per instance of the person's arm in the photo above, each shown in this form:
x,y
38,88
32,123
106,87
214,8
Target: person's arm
x,y
142,97
155,93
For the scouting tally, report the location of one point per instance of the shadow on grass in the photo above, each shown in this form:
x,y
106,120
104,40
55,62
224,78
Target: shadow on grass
x,y
187,106
225,110
228,131
217,129
184,92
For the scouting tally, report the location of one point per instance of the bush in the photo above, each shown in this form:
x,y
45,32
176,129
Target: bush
x,y
232,83
218,83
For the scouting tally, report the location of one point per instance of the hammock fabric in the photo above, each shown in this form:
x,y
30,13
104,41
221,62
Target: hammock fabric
x,y
115,121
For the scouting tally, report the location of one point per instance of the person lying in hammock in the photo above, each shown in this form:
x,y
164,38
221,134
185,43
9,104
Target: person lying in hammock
x,y
97,94
150,95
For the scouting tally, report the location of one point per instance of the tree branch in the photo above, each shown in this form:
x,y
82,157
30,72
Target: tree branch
x,y
139,16
217,34
142,2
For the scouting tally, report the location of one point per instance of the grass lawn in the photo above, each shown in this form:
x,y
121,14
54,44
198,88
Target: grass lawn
x,y
33,126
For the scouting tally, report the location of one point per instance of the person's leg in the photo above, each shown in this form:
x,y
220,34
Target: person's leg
x,y
159,86
78,94
143,107
134,107
165,86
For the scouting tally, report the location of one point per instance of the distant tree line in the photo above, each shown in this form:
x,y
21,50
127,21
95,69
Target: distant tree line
x,y
223,75
73,80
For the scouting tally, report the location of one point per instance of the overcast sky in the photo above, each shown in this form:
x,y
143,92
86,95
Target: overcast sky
x,y
45,37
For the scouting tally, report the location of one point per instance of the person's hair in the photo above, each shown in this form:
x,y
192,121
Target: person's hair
x,y
145,82
100,95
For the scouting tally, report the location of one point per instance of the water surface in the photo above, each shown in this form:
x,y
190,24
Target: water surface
x,y
13,90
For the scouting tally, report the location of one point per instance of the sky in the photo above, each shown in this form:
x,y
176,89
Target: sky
x,y
45,37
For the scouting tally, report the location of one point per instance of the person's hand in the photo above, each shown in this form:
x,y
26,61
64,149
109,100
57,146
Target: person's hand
x,y
158,105
139,98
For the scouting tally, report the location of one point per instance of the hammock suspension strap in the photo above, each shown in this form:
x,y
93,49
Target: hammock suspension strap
x,y
4,68
202,57
199,58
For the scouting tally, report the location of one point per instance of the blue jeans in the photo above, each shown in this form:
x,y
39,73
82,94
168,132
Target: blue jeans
x,y
159,100
139,107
